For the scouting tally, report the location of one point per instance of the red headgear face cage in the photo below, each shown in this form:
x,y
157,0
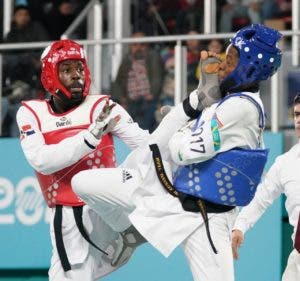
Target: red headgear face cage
x,y
52,56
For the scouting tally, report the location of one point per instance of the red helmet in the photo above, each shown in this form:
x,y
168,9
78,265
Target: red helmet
x,y
55,53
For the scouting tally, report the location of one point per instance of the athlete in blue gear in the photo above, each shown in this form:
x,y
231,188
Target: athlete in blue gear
x,y
259,58
142,185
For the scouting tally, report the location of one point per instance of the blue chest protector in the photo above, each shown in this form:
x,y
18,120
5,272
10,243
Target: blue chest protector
x,y
231,177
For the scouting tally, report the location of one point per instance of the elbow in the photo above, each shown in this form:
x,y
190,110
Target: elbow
x,y
177,150
41,167
44,170
39,161
178,157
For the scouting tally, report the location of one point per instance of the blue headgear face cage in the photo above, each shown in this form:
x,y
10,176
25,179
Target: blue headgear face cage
x,y
259,56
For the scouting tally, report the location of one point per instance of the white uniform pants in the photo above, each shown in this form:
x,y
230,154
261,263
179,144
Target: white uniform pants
x,y
108,193
204,263
87,263
292,270
115,191
113,188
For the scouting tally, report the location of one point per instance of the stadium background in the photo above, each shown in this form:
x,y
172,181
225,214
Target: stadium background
x,y
25,244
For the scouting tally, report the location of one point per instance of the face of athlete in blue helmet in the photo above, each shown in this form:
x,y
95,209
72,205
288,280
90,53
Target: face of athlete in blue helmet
x,y
229,64
251,57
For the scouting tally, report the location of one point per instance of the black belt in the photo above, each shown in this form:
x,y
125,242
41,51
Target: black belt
x,y
77,211
188,202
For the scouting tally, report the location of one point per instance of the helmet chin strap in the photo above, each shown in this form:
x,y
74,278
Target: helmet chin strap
x,y
65,102
227,87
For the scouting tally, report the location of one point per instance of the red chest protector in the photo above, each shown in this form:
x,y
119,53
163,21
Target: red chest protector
x,y
56,187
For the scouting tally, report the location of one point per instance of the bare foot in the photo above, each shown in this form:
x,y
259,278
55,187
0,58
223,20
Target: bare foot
x,y
208,89
211,66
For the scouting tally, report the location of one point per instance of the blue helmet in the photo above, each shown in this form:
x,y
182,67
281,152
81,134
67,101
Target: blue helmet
x,y
259,56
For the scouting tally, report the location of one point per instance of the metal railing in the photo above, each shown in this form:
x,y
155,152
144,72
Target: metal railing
x,y
94,15
180,58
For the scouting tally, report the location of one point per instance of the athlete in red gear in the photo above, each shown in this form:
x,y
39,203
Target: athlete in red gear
x,y
70,132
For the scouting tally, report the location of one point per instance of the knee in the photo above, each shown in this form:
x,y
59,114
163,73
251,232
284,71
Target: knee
x,y
78,183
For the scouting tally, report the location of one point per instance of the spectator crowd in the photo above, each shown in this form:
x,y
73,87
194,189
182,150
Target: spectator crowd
x,y
145,79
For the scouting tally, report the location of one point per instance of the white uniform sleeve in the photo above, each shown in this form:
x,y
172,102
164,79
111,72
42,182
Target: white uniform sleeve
x,y
266,193
47,159
171,123
127,130
234,124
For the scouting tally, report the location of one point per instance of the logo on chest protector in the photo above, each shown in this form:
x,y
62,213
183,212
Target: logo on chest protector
x,y
126,176
63,121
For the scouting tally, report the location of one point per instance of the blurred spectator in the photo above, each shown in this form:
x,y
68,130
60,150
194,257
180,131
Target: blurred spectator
x,y
193,55
11,101
190,16
239,13
168,16
138,83
21,3
21,68
39,9
23,29
277,13
254,10
168,86
285,8
1,20
58,16
23,65
168,58
155,17
269,9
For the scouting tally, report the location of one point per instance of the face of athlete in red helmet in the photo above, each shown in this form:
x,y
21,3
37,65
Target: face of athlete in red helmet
x,y
72,76
65,74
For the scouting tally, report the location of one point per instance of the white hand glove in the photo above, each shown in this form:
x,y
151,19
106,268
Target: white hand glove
x,y
103,123
208,89
165,109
